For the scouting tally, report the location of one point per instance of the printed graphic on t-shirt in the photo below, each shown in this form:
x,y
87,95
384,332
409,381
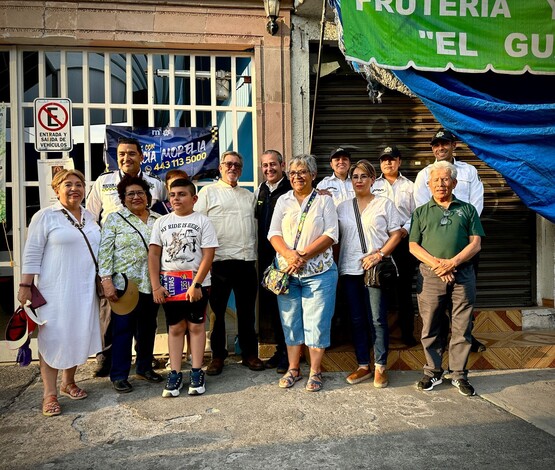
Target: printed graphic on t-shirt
x,y
183,245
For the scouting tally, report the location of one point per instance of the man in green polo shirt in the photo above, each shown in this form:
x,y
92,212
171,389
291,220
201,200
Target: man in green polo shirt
x,y
445,234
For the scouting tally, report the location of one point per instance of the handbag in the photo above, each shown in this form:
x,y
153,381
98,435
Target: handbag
x,y
273,279
383,274
97,280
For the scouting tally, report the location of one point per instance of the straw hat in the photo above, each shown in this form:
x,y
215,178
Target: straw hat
x,y
127,299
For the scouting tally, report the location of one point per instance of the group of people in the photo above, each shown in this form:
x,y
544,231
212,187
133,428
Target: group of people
x,y
214,239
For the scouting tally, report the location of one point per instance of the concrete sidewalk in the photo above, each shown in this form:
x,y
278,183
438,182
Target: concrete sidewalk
x,y
245,421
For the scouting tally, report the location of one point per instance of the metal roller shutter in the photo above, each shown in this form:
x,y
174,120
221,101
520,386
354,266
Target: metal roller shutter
x,y
345,116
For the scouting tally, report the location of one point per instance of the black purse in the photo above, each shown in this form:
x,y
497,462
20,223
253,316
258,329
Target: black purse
x,y
385,273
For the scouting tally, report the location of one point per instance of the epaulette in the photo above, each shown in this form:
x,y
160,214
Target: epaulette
x,y
154,177
108,172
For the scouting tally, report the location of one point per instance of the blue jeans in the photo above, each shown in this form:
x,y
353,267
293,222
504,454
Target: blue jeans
x,y
368,309
306,311
140,323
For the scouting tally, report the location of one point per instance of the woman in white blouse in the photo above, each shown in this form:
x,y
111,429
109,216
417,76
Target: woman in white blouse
x,y
306,311
381,225
58,259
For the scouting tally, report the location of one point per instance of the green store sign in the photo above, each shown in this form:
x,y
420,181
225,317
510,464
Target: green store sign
x,y
506,36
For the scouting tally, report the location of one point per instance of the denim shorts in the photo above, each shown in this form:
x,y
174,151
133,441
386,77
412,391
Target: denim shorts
x,y
306,311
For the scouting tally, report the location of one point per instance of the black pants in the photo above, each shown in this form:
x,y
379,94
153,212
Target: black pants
x,y
239,276
406,264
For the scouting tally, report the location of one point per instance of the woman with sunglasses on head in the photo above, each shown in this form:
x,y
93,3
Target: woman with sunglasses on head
x,y
57,254
302,231
124,250
380,224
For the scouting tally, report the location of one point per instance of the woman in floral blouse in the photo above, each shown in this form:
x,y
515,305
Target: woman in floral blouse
x,y
306,254
124,250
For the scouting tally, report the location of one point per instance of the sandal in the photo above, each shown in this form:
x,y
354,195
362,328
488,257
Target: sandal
x,y
315,382
73,391
51,406
288,380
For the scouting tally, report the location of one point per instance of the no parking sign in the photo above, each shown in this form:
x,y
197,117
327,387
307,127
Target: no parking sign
x,y
53,125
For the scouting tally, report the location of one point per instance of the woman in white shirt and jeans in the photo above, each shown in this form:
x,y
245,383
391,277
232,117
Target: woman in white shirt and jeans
x,y
381,224
306,311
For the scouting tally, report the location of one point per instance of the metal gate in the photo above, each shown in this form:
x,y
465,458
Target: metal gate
x,y
346,116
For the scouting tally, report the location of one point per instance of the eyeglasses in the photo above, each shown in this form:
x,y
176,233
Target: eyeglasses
x,y
360,177
300,174
133,194
445,220
230,165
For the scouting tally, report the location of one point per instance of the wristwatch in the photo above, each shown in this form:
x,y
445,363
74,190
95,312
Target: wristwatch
x,y
381,253
198,285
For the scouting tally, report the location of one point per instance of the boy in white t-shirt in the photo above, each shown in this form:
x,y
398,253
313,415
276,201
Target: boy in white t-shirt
x,y
183,242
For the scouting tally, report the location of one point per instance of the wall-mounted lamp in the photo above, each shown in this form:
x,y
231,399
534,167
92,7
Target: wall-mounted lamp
x,y
272,12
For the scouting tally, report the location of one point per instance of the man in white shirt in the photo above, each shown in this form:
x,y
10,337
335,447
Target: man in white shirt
x,y
103,199
393,185
231,210
339,184
469,188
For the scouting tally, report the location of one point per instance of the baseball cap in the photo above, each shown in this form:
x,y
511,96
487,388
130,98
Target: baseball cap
x,y
443,134
339,152
390,151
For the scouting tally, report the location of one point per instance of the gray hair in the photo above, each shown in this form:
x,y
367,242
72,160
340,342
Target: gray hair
x,y
444,165
231,152
306,160
275,153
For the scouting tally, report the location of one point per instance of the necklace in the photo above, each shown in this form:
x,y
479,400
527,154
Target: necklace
x,y
72,222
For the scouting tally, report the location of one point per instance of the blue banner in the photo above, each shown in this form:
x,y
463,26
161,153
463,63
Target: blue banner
x,y
192,149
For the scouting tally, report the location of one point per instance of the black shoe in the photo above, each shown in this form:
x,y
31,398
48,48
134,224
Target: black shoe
x,y
477,346
150,376
122,386
427,383
275,360
103,369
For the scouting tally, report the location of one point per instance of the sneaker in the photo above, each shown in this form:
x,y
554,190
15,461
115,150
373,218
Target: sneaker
x,y
196,386
428,383
464,387
358,376
173,384
380,378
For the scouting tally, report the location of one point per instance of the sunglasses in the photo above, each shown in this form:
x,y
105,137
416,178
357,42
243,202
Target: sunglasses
x,y
445,220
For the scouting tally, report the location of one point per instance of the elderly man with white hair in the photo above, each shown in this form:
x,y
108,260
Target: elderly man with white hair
x,y
445,234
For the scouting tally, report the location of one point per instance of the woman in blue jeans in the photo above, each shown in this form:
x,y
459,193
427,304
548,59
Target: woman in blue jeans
x,y
381,225
302,231
124,250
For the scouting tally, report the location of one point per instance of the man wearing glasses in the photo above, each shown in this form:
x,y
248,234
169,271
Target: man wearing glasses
x,y
231,210
103,199
445,234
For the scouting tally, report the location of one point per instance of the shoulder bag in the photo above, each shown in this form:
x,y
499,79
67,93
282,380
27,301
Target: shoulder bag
x,y
273,279
97,279
383,274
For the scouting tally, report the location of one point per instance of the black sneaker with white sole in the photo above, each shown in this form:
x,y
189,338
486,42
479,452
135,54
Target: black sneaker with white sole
x,y
173,384
196,386
464,387
427,382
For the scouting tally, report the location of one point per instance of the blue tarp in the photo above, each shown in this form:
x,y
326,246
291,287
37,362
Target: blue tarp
x,y
517,140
